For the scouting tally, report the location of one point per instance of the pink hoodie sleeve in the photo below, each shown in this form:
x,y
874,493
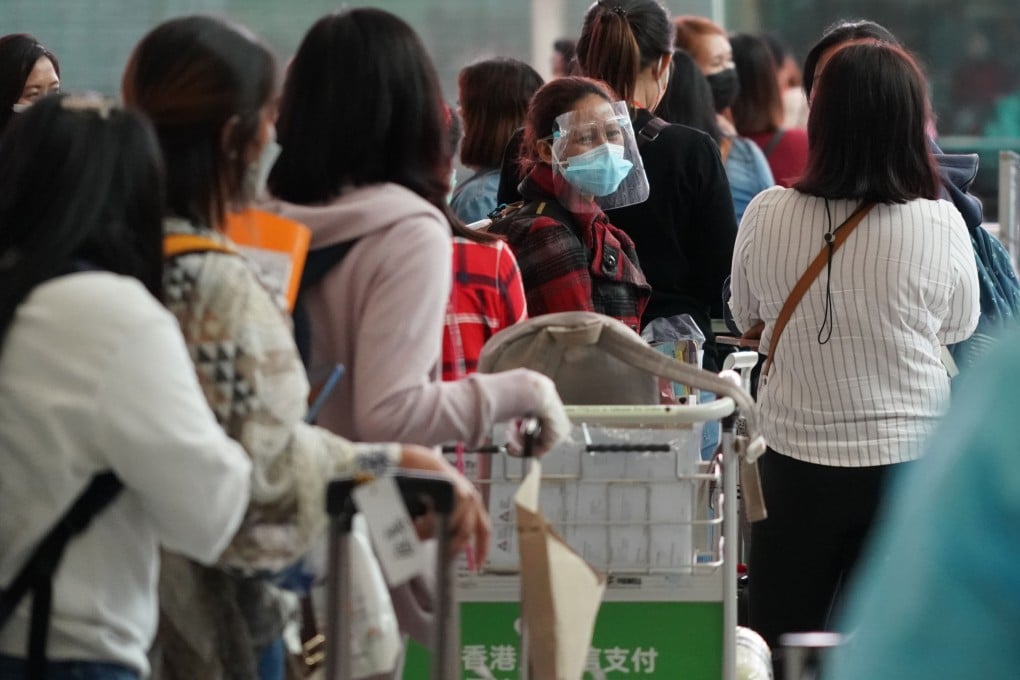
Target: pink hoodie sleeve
x,y
400,303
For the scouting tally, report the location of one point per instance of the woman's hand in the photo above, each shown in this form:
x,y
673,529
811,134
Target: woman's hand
x,y
754,332
469,520
553,423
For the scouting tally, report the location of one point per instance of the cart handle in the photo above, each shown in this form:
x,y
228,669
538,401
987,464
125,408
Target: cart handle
x,y
420,491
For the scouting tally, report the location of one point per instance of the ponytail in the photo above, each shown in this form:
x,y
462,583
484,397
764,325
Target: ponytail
x,y
620,38
609,51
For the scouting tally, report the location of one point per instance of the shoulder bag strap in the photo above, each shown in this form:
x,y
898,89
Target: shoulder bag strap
x,y
773,142
725,146
37,574
650,130
175,245
555,211
840,235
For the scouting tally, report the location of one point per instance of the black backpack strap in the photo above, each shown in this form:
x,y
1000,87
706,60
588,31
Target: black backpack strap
x,y
521,210
37,573
773,142
318,263
555,211
650,130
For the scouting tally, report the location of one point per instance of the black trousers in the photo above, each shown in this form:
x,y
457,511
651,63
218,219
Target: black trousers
x,y
818,519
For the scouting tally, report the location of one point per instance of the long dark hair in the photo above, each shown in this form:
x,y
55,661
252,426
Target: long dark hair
x,y
843,31
82,181
494,96
18,54
866,129
620,38
688,99
361,105
192,76
758,107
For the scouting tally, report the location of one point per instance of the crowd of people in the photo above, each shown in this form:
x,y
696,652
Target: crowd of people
x,y
667,169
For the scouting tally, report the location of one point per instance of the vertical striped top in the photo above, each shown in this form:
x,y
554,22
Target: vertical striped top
x,y
902,285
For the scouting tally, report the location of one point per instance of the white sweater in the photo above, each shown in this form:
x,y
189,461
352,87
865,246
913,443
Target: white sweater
x,y
903,284
94,376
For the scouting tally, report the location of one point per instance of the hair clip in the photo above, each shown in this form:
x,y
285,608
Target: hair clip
x,y
89,102
617,8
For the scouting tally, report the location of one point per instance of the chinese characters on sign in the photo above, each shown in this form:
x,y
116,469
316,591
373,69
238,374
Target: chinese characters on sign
x,y
485,659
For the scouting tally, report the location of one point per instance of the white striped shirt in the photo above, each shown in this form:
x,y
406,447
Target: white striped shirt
x,y
903,284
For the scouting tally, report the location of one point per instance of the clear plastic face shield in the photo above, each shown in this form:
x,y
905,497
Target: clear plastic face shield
x,y
595,157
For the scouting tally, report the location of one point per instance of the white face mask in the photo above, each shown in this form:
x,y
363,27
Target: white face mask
x,y
257,173
19,108
453,185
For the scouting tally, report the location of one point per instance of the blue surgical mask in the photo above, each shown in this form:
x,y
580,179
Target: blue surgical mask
x,y
597,172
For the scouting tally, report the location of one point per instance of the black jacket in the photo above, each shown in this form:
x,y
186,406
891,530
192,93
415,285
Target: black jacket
x,y
684,232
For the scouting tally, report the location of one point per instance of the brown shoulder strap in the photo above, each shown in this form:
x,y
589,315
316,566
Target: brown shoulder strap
x,y
725,146
840,235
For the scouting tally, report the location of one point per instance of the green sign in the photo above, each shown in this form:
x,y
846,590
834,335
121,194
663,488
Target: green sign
x,y
675,640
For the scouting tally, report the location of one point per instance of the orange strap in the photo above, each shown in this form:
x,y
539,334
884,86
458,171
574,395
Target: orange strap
x,y
840,235
182,244
725,146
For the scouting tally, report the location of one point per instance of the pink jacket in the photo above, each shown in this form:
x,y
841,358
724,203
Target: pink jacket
x,y
380,313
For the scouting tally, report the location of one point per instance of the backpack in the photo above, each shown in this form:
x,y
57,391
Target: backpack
x,y
504,215
999,288
999,296
318,263
37,573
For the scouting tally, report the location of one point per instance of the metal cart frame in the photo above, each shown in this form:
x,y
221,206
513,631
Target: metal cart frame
x,y
708,582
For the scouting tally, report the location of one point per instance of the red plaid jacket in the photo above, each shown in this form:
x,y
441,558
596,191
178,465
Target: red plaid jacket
x,y
487,296
586,265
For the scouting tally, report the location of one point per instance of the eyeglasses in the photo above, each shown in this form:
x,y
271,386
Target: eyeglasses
x,y
593,133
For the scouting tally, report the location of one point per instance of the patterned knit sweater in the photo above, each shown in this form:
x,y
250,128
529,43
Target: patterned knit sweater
x,y
243,349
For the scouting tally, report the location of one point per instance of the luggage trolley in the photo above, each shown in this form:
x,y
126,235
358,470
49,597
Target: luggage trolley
x,y
631,495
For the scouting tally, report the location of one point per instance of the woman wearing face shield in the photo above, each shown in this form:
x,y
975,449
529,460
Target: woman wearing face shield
x,y
581,158
684,231
28,71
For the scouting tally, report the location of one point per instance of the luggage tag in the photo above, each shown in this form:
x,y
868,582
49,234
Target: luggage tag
x,y
389,524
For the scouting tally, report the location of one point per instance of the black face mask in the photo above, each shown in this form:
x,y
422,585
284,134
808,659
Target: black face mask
x,y
725,86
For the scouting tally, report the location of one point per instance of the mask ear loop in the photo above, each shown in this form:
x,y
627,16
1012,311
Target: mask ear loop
x,y
826,327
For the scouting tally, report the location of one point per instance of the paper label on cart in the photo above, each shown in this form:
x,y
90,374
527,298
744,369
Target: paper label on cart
x,y
393,536
528,493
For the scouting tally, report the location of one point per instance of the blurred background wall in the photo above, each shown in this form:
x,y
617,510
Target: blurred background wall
x,y
969,49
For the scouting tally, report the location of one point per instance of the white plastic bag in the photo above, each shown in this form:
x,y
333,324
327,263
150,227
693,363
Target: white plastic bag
x,y
376,644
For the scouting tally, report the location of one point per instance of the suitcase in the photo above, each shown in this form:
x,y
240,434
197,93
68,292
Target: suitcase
x,y
420,492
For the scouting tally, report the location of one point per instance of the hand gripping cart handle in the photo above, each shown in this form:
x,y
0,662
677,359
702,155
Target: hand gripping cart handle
x,y
420,492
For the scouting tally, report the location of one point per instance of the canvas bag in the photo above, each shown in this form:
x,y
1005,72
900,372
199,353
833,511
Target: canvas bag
x,y
594,359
